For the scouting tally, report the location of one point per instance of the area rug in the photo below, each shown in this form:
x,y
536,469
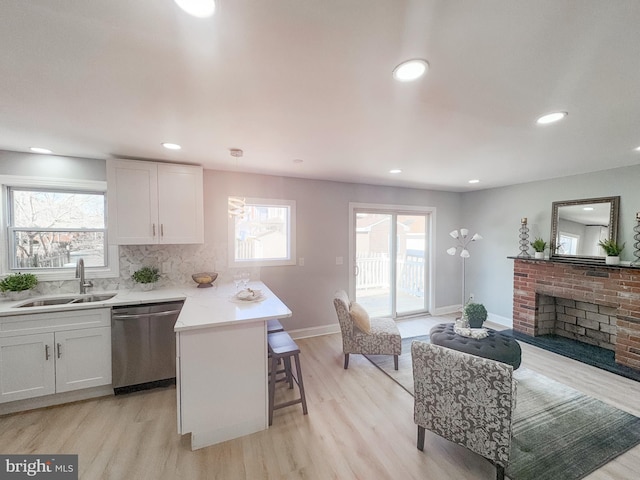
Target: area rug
x,y
558,432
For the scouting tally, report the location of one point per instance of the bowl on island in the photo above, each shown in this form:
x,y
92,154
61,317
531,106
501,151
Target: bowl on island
x,y
204,279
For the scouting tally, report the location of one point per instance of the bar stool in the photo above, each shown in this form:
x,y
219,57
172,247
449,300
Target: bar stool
x,y
274,326
282,347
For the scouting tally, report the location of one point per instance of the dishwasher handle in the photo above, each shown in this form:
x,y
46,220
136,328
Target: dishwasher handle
x,y
125,316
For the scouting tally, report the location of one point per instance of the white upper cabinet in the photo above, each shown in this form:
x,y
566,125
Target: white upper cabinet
x,y
152,203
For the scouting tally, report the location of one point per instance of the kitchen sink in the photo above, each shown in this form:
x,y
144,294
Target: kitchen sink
x,y
93,298
42,302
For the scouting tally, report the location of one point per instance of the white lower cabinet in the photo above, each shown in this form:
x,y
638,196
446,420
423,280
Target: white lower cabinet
x,y
27,367
74,354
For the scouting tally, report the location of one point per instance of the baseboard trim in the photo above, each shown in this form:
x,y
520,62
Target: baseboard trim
x,y
314,331
447,310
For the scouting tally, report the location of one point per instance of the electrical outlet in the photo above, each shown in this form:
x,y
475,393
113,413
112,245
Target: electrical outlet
x,y
132,269
339,260
166,267
301,261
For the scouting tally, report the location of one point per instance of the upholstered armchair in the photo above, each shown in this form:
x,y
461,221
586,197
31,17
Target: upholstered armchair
x,y
364,335
466,399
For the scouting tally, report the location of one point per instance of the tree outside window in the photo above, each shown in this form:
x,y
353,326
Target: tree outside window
x,y
52,229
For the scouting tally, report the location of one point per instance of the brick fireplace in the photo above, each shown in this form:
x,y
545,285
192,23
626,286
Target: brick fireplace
x,y
596,304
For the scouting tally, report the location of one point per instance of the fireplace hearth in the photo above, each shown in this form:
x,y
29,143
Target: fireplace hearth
x,y
594,304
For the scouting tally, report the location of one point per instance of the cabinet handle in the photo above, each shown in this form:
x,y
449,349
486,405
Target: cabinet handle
x,y
154,229
46,352
59,349
162,229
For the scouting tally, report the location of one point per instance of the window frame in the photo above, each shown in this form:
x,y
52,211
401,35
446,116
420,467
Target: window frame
x,y
290,259
111,270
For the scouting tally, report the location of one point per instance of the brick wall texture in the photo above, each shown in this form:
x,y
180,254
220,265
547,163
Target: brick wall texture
x,y
597,304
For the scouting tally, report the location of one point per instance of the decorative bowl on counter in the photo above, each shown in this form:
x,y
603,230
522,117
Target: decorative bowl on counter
x,y
204,280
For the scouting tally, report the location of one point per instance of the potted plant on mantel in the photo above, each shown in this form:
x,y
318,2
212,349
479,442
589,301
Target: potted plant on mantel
x,y
613,251
539,245
146,277
17,285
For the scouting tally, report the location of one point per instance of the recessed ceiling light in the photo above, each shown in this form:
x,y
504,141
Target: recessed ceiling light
x,y
410,70
395,170
637,149
475,180
198,8
588,209
551,117
297,160
40,150
171,146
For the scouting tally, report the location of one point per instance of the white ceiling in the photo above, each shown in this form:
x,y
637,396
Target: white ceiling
x,y
311,80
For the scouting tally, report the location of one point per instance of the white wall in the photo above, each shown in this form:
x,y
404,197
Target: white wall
x,y
496,214
322,235
38,165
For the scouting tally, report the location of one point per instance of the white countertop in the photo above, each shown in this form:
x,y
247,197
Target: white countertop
x,y
203,307
208,307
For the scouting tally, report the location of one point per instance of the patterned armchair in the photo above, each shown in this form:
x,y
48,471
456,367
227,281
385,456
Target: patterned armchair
x,y
466,399
382,339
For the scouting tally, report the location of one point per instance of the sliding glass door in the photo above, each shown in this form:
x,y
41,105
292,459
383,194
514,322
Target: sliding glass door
x,y
390,267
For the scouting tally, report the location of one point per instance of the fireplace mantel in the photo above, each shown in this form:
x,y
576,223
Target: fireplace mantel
x,y
578,262
614,286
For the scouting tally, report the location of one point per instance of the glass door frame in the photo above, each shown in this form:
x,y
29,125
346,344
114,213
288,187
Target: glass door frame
x,y
430,219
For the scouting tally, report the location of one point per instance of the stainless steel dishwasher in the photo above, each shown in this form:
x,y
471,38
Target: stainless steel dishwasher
x,y
143,345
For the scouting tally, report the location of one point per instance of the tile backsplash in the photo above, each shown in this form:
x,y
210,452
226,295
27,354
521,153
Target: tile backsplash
x,y
176,263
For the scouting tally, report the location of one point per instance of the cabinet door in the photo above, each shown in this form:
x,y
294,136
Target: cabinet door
x,y
27,366
132,197
180,204
83,358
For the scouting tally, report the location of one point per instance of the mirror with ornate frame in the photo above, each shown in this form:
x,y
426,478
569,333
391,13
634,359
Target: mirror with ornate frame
x,y
578,225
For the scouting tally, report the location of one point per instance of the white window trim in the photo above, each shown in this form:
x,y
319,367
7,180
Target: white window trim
x,y
264,263
113,256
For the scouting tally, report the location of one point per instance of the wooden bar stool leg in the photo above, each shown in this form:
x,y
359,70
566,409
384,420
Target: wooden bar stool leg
x,y
288,371
300,384
272,387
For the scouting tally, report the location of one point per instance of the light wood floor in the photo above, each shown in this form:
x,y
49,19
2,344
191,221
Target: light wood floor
x,y
360,426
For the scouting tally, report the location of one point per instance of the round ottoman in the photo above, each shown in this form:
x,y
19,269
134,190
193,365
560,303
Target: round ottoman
x,y
497,346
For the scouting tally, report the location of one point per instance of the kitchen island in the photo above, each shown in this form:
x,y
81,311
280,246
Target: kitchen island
x,y
221,348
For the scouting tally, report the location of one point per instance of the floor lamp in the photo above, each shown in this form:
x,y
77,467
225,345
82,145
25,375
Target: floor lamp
x,y
463,241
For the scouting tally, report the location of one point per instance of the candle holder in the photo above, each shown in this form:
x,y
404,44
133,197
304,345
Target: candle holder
x,y
636,244
524,239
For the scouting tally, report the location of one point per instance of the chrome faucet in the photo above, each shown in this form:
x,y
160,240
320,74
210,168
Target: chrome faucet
x,y
80,274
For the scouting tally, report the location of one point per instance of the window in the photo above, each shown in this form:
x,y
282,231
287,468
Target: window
x,y
568,244
261,232
52,229
48,224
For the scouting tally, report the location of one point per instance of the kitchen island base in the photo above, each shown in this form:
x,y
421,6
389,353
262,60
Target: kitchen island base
x,y
222,382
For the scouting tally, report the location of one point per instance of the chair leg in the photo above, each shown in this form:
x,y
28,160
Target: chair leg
x,y
272,388
288,371
499,472
421,431
303,397
346,361
395,362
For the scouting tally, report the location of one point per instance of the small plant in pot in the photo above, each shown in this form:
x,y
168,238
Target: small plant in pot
x,y
146,277
613,251
475,313
17,285
539,245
